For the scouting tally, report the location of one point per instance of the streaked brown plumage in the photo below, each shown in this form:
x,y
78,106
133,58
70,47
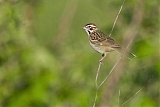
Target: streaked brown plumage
x,y
101,42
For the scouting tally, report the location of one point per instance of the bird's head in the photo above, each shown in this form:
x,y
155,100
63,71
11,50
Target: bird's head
x,y
89,28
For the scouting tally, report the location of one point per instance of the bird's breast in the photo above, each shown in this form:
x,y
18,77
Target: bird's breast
x,y
100,48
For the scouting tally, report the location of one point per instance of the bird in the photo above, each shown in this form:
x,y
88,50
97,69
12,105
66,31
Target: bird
x,y
103,43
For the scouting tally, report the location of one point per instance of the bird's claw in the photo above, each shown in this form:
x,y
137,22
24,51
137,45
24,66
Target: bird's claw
x,y
100,61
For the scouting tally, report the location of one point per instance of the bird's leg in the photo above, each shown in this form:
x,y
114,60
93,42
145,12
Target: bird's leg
x,y
103,56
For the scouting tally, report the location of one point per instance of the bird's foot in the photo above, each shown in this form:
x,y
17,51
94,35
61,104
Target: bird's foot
x,y
100,61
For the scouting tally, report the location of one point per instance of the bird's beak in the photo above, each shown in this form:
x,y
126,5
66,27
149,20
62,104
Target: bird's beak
x,y
83,28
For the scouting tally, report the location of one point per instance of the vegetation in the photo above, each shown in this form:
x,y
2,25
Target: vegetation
x,y
46,60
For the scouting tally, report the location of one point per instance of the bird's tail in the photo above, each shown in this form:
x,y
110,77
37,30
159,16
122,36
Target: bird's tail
x,y
131,56
124,52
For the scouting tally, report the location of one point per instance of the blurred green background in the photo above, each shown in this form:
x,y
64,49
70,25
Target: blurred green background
x,y
46,60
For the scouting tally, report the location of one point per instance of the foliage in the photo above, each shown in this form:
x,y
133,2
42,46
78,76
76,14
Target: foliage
x,y
46,60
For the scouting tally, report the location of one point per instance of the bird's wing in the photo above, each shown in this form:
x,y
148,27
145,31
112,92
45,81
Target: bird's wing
x,y
108,41
100,38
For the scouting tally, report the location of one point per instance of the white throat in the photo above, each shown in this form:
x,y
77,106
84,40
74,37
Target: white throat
x,y
88,32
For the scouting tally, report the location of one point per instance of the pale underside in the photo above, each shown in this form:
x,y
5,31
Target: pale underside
x,y
101,48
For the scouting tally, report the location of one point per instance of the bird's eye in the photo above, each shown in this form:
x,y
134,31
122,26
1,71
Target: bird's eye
x,y
92,28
